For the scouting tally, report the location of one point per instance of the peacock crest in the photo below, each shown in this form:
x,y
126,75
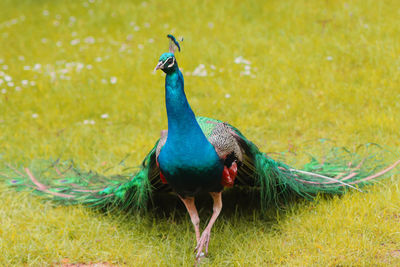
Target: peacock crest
x,y
173,44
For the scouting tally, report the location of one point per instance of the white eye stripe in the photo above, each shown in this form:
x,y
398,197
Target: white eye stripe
x,y
173,62
165,62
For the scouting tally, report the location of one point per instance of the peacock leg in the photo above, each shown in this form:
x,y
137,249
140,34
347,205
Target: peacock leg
x,y
194,216
205,236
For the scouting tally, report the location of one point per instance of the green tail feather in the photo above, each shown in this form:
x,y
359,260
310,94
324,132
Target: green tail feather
x,y
66,184
339,171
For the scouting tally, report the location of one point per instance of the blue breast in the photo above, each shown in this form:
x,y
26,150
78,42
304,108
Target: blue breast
x,y
190,168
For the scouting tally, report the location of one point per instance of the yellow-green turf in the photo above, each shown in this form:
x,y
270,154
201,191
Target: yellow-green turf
x,y
319,69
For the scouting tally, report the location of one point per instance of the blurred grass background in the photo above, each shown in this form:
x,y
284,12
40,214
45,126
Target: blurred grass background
x,y
76,82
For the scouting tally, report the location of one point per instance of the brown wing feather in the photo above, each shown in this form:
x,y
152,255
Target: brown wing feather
x,y
224,142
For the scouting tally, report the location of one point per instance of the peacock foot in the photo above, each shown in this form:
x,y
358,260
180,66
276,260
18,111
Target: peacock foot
x,y
203,244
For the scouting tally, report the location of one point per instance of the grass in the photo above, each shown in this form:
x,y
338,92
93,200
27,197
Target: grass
x,y
319,69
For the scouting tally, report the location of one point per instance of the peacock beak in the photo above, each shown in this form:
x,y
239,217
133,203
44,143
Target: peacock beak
x,y
160,65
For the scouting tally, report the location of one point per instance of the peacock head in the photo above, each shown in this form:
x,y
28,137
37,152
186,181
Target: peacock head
x,y
167,62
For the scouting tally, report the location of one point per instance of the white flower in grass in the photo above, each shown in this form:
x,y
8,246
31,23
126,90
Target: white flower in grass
x,y
246,73
103,80
13,21
210,25
32,83
227,95
329,58
113,80
200,71
64,71
21,58
27,67
241,60
79,67
105,116
24,82
99,59
3,91
56,23
5,67
151,40
136,28
59,44
7,78
44,40
17,88
146,25
69,65
35,115
1,61
73,34
1,81
45,12
37,66
90,40
10,84
89,67
140,46
52,75
75,42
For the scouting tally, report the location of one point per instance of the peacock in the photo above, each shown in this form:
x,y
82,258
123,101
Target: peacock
x,y
196,155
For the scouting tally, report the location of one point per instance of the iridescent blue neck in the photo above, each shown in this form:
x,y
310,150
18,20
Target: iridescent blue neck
x,y
181,119
187,160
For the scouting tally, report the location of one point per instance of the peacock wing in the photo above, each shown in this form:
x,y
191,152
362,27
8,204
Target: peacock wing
x,y
231,145
154,170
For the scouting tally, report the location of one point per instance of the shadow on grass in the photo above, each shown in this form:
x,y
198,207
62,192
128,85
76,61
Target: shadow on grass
x,y
237,203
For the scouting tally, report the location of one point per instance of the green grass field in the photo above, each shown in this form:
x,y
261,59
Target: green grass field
x,y
76,82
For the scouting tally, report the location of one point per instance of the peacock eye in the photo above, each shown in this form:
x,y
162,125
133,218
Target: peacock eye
x,y
169,62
